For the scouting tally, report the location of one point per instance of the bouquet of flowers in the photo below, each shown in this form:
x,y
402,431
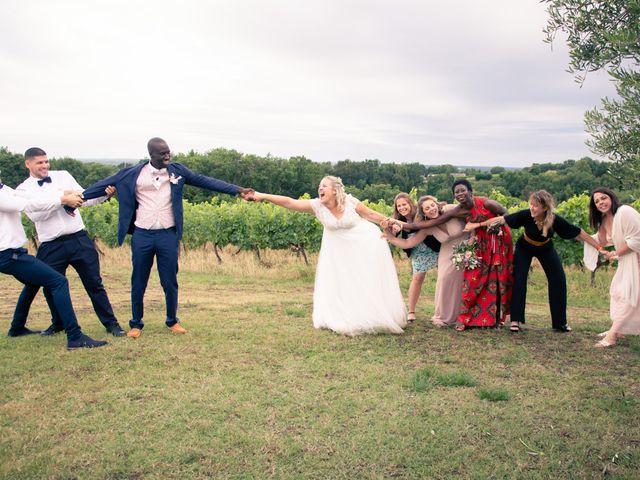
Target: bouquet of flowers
x,y
465,255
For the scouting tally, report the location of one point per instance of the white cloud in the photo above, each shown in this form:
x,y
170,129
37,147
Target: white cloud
x,y
461,82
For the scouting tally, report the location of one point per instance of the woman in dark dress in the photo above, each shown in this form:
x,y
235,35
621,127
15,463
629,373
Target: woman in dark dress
x,y
539,223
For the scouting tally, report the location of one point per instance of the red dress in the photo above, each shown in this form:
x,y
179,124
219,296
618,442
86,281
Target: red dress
x,y
486,292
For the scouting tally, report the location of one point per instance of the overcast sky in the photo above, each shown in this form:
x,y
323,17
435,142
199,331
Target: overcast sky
x,y
463,82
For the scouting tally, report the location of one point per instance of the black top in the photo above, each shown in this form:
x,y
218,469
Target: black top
x,y
430,241
524,219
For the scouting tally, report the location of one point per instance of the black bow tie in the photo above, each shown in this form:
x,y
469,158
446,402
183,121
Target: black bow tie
x,y
44,180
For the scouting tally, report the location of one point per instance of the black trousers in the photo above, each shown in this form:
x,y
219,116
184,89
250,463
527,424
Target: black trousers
x,y
79,251
557,281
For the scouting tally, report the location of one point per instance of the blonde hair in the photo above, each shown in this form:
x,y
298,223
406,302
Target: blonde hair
x,y
338,186
546,201
420,214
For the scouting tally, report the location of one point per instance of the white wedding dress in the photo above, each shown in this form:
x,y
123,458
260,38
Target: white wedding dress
x,y
356,289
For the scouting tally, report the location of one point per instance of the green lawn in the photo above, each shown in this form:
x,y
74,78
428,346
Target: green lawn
x,y
253,391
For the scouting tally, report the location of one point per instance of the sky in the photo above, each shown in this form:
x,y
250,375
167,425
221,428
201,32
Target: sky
x,y
462,82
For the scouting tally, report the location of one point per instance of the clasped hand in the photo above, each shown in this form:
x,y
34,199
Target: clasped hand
x,y
494,227
247,194
72,198
392,224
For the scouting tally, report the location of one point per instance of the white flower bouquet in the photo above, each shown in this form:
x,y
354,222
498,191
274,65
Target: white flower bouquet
x,y
465,255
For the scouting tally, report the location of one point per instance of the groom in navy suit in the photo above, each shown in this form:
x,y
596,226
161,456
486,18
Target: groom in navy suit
x,y
150,197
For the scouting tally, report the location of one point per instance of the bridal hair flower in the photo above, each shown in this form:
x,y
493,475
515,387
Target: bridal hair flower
x,y
173,179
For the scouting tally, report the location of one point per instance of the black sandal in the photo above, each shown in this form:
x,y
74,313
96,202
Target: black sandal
x,y
514,327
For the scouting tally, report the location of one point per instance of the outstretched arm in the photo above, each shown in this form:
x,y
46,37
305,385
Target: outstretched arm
x,y
490,222
286,202
368,214
495,207
406,243
11,203
454,212
586,238
99,188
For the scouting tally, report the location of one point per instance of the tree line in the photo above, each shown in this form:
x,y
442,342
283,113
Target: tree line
x,y
259,226
367,180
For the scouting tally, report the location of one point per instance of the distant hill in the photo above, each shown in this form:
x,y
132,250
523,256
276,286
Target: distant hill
x,y
110,161
463,168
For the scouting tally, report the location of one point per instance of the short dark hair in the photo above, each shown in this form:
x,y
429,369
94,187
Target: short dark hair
x,y
34,152
595,215
462,181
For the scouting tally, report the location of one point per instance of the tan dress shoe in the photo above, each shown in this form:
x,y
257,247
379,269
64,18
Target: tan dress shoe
x,y
177,328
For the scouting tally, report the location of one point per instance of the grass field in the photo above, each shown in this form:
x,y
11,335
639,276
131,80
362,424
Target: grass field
x,y
252,391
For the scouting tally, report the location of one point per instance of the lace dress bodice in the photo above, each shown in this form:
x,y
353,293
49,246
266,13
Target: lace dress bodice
x,y
349,219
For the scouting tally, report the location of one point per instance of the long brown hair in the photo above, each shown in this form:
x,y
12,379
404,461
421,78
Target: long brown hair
x,y
546,201
396,214
595,215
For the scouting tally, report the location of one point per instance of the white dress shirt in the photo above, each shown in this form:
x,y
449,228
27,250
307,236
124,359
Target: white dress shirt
x,y
57,222
11,204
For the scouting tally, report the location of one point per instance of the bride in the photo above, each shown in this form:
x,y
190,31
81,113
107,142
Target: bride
x,y
356,289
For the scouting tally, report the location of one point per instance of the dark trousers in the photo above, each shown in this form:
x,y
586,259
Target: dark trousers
x,y
31,271
556,279
79,251
145,246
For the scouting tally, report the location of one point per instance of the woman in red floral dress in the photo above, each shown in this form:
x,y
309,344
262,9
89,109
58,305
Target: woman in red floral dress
x,y
486,293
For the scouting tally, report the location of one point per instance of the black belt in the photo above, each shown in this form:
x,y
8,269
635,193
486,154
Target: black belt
x,y
63,238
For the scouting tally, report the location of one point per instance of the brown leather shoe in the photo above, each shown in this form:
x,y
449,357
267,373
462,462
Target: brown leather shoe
x,y
134,333
177,328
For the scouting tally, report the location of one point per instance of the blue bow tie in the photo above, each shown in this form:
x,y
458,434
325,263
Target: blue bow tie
x,y
44,180
1,185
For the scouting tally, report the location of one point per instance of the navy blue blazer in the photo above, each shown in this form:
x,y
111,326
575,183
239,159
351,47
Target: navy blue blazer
x,y
125,183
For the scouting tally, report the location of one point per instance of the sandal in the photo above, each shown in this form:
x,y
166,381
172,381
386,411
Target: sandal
x,y
514,327
411,317
461,327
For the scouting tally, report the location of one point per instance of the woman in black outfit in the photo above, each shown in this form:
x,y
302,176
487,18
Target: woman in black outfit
x,y
539,223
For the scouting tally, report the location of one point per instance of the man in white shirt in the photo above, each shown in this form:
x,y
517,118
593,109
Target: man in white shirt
x,y
63,242
15,261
